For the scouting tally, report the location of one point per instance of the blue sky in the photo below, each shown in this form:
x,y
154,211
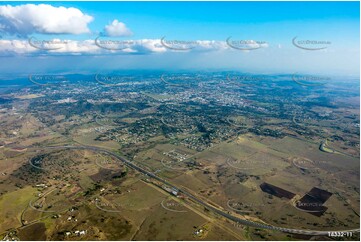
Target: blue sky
x,y
275,23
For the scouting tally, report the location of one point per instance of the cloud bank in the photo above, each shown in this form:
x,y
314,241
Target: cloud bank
x,y
105,46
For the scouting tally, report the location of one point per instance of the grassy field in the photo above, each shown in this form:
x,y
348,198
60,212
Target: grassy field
x,y
12,205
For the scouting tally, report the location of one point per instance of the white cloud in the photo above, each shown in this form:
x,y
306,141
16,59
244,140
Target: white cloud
x,y
27,19
211,45
117,28
105,46
16,46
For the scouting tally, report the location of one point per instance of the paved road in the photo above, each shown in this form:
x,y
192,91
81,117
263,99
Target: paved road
x,y
199,201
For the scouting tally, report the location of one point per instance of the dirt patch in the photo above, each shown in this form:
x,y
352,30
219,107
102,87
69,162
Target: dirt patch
x,y
33,232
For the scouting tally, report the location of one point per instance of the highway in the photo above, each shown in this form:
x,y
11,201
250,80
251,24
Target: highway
x,y
199,201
